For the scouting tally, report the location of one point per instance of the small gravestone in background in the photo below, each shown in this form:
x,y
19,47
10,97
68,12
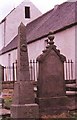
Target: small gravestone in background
x,y
1,78
1,73
23,105
51,85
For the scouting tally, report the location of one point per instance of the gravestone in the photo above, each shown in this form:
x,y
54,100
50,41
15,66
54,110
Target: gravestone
x,y
51,95
1,73
23,105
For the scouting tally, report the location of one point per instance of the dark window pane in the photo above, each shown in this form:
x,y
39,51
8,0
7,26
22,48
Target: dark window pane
x,y
27,12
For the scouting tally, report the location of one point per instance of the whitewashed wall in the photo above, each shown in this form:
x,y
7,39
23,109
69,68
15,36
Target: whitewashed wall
x,y
65,42
76,51
14,19
35,48
1,35
4,58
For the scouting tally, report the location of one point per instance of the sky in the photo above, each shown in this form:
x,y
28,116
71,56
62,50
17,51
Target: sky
x,y
43,5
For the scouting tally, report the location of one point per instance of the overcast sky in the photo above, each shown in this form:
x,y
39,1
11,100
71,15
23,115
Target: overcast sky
x,y
43,5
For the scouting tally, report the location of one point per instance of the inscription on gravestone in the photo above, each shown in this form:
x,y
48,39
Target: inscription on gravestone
x,y
23,63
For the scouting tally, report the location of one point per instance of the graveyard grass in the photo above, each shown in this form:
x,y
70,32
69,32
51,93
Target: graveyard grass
x,y
64,116
7,98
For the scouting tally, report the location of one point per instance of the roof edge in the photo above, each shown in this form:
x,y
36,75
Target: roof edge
x,y
54,32
41,37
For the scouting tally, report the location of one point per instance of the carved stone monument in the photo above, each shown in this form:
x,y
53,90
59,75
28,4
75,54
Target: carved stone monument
x,y
51,85
23,105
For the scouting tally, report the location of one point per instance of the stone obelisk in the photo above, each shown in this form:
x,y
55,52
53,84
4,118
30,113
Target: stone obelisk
x,y
23,105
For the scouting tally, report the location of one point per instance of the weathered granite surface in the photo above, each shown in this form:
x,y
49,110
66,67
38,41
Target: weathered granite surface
x,y
51,85
23,105
22,55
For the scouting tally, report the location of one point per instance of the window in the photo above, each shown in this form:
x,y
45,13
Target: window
x,y
27,12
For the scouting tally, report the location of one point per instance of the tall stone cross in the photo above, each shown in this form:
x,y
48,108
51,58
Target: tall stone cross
x,y
23,63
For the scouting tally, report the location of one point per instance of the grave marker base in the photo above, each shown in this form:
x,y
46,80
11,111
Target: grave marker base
x,y
52,105
23,101
25,111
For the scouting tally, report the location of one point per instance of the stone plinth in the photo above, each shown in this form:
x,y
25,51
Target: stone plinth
x,y
51,84
28,111
24,102
52,105
23,105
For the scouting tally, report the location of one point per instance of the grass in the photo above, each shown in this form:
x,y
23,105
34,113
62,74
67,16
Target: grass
x,y
7,96
65,116
7,103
